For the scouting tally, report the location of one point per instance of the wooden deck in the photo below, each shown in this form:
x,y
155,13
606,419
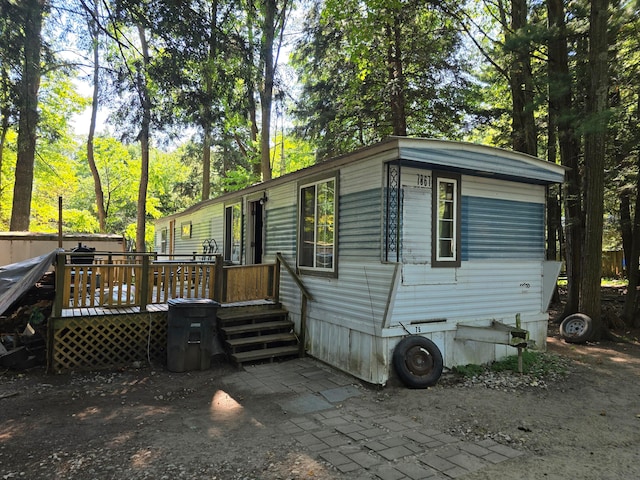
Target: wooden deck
x,y
95,311
112,310
101,282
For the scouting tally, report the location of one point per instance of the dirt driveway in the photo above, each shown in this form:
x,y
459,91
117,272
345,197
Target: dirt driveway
x,y
301,419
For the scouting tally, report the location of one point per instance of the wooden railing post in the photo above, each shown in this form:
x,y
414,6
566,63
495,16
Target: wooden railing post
x,y
57,305
305,296
144,284
218,280
275,290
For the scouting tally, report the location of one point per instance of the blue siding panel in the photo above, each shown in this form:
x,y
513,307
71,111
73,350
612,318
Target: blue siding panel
x,y
281,230
501,229
359,229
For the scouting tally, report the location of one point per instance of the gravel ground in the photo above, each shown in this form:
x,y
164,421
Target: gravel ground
x,y
581,420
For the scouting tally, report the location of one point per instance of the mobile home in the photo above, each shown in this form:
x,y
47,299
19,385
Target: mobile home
x,y
439,243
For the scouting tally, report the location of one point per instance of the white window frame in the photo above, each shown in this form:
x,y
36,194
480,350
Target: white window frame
x,y
233,233
164,235
446,209
315,265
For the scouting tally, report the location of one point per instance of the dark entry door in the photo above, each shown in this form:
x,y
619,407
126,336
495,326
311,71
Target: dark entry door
x,y
257,240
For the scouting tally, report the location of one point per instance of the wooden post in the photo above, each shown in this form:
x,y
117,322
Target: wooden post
x,y
60,222
275,287
303,325
57,304
218,280
143,297
520,366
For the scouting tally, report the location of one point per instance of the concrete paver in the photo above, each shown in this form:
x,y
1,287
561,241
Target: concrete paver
x,y
363,443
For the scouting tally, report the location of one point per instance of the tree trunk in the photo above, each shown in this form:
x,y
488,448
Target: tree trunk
x,y
626,226
594,155
266,94
97,184
561,107
396,82
28,122
553,220
4,129
207,115
521,84
206,163
633,274
250,81
145,101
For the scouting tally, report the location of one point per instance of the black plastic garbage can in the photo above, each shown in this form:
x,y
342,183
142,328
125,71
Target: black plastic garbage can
x,y
191,334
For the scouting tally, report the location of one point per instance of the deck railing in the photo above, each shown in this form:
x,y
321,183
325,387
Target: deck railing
x,y
91,280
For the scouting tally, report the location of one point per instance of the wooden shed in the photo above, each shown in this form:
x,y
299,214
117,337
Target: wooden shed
x,y
409,238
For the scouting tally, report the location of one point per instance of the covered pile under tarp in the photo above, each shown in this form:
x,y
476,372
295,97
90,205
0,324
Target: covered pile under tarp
x,y
17,278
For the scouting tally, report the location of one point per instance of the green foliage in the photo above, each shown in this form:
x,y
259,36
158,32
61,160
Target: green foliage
x,y
238,179
80,221
359,60
469,370
291,154
7,174
537,364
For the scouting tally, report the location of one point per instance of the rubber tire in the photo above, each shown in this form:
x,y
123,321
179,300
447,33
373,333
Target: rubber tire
x,y
417,361
576,328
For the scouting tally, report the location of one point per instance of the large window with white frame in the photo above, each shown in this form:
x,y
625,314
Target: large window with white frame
x,y
317,240
446,221
233,233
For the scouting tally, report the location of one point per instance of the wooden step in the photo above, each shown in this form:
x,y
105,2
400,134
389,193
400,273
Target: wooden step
x,y
257,333
256,327
244,315
265,353
261,339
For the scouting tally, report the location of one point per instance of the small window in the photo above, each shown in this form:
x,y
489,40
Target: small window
x,y
446,222
233,233
186,230
316,249
163,240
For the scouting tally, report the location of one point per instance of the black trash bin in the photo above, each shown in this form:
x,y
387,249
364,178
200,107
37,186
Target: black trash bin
x,y
191,334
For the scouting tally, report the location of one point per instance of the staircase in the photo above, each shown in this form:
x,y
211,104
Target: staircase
x,y
257,333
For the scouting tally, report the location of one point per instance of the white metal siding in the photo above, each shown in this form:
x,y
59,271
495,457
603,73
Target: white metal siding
x,y
483,290
359,230
206,223
356,299
280,231
216,214
416,225
505,190
285,195
360,176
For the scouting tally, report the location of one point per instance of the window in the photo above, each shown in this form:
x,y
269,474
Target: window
x,y
163,240
317,231
185,229
446,222
233,233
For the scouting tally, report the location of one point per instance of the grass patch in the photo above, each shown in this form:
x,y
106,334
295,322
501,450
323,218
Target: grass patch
x,y
536,364
470,370
604,282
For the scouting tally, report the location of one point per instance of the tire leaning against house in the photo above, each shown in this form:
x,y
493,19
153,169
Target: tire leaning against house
x,y
417,361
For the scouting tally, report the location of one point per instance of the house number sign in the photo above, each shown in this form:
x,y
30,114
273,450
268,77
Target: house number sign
x,y
423,180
